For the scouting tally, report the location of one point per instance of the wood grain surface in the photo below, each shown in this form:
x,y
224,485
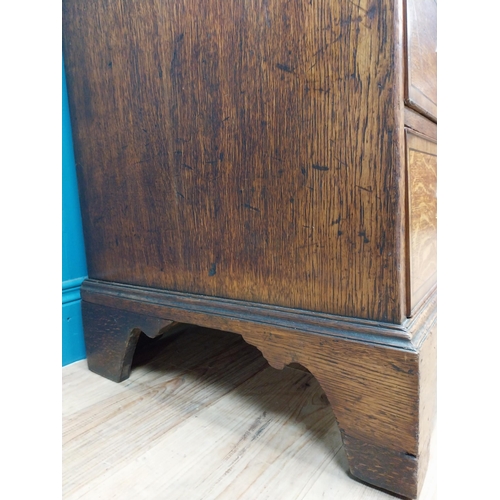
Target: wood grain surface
x,y
203,416
427,399
375,391
422,218
421,67
248,150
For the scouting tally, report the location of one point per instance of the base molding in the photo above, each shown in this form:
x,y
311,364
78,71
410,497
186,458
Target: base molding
x,y
378,378
236,316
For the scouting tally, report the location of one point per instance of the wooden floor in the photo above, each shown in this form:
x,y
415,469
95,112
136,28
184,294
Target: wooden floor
x,y
203,416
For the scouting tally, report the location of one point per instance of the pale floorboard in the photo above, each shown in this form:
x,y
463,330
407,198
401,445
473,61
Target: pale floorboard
x,y
203,416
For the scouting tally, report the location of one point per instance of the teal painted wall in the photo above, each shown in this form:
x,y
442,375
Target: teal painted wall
x,y
74,267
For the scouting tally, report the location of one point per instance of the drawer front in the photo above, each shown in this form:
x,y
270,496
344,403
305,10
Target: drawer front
x,y
421,160
421,56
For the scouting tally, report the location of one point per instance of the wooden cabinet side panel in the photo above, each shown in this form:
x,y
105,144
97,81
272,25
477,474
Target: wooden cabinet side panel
x,y
421,35
246,150
422,218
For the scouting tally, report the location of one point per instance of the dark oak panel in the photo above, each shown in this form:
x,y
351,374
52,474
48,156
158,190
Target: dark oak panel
x,y
421,68
422,218
247,150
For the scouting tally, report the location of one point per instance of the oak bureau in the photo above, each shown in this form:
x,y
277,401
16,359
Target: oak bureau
x,y
268,167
